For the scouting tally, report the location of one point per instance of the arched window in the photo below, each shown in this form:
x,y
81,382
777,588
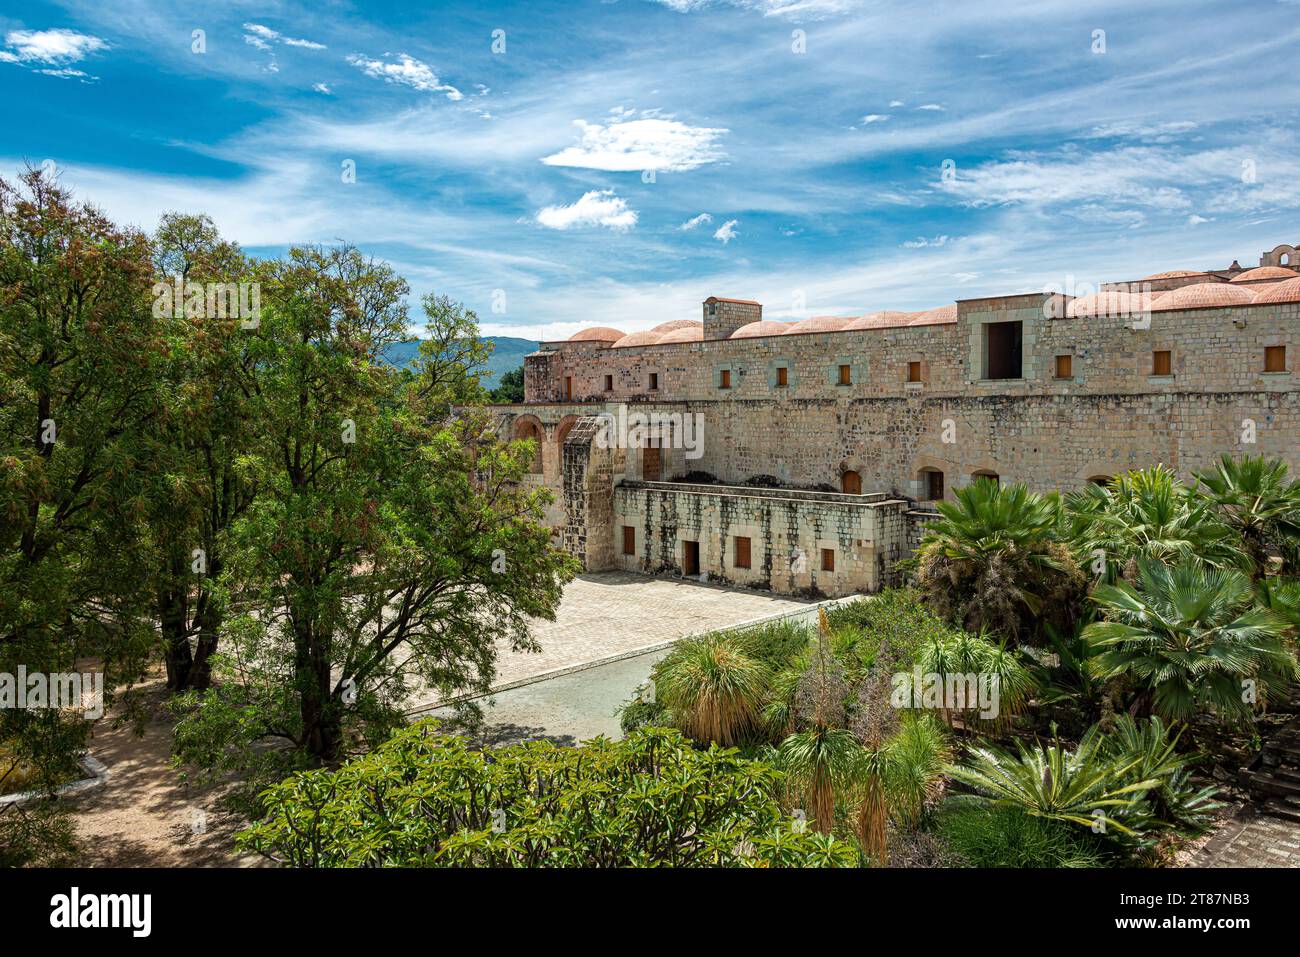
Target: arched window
x,y
986,474
1102,480
526,429
851,483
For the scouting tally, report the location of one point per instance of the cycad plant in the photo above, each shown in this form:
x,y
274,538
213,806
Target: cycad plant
x,y
1191,639
1256,497
1081,786
995,561
1150,750
712,688
1147,513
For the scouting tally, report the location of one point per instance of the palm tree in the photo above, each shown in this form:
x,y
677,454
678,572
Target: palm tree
x,y
712,688
1192,639
1147,513
964,654
820,761
994,560
1254,497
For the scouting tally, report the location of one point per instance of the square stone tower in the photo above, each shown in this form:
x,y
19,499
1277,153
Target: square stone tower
x,y
722,317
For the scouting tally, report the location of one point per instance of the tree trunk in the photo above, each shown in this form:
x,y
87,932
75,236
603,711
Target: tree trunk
x,y
173,617
321,728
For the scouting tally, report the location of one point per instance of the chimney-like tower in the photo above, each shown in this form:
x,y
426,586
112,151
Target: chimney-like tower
x,y
722,317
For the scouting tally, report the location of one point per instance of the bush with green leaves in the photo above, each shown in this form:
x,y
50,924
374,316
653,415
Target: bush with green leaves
x,y
1008,837
428,799
1129,785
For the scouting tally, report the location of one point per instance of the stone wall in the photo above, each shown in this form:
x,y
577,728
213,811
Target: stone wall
x,y
787,531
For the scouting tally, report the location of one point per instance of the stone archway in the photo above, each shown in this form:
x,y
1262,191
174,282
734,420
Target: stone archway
x,y
529,427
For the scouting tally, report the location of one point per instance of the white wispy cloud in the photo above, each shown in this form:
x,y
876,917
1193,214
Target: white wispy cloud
x,y
932,107
261,36
920,242
694,221
599,207
322,88
726,232
875,118
405,70
51,52
647,142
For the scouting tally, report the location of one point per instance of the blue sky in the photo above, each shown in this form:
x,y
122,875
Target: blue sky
x,y
617,162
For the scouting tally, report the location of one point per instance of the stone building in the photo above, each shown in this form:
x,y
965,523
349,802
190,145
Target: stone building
x,y
805,457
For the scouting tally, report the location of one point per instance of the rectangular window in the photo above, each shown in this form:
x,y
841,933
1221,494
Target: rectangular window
x,y
609,383
828,559
654,381
1003,343
934,486
629,540
782,377
742,552
1275,359
846,375
1065,367
914,372
724,380
568,387
1162,362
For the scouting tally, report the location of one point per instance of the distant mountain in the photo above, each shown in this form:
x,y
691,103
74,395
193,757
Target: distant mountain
x,y
507,353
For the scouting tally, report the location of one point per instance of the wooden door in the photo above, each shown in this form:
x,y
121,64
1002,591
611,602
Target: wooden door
x,y
691,559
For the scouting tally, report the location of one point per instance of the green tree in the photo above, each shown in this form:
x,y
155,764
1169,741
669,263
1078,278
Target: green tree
x,y
994,561
79,362
1256,497
651,800
388,544
1147,513
510,388
1191,640
203,436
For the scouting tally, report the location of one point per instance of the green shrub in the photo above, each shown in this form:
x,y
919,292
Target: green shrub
x,y
1008,837
895,621
426,799
643,710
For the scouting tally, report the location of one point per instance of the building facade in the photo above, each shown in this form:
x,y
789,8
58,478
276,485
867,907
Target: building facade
x,y
805,457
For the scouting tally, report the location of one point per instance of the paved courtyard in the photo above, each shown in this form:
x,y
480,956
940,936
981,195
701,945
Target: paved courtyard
x,y
607,615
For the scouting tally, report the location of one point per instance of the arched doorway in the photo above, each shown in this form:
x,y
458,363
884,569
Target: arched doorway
x,y
851,483
993,477
530,429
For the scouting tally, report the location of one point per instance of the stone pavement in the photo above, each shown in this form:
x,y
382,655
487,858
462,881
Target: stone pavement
x,y
604,615
1251,839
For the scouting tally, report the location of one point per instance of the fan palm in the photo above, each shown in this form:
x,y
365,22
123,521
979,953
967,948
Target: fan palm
x,y
1192,639
1148,513
1255,497
994,560
712,688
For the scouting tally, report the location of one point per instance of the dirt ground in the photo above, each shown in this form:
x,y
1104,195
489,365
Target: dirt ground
x,y
145,814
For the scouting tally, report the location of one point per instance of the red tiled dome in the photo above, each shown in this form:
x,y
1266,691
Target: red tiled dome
x,y
764,327
882,320
1201,294
597,334
1110,302
936,317
672,324
1174,274
819,324
691,333
646,338
1264,272
1288,291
